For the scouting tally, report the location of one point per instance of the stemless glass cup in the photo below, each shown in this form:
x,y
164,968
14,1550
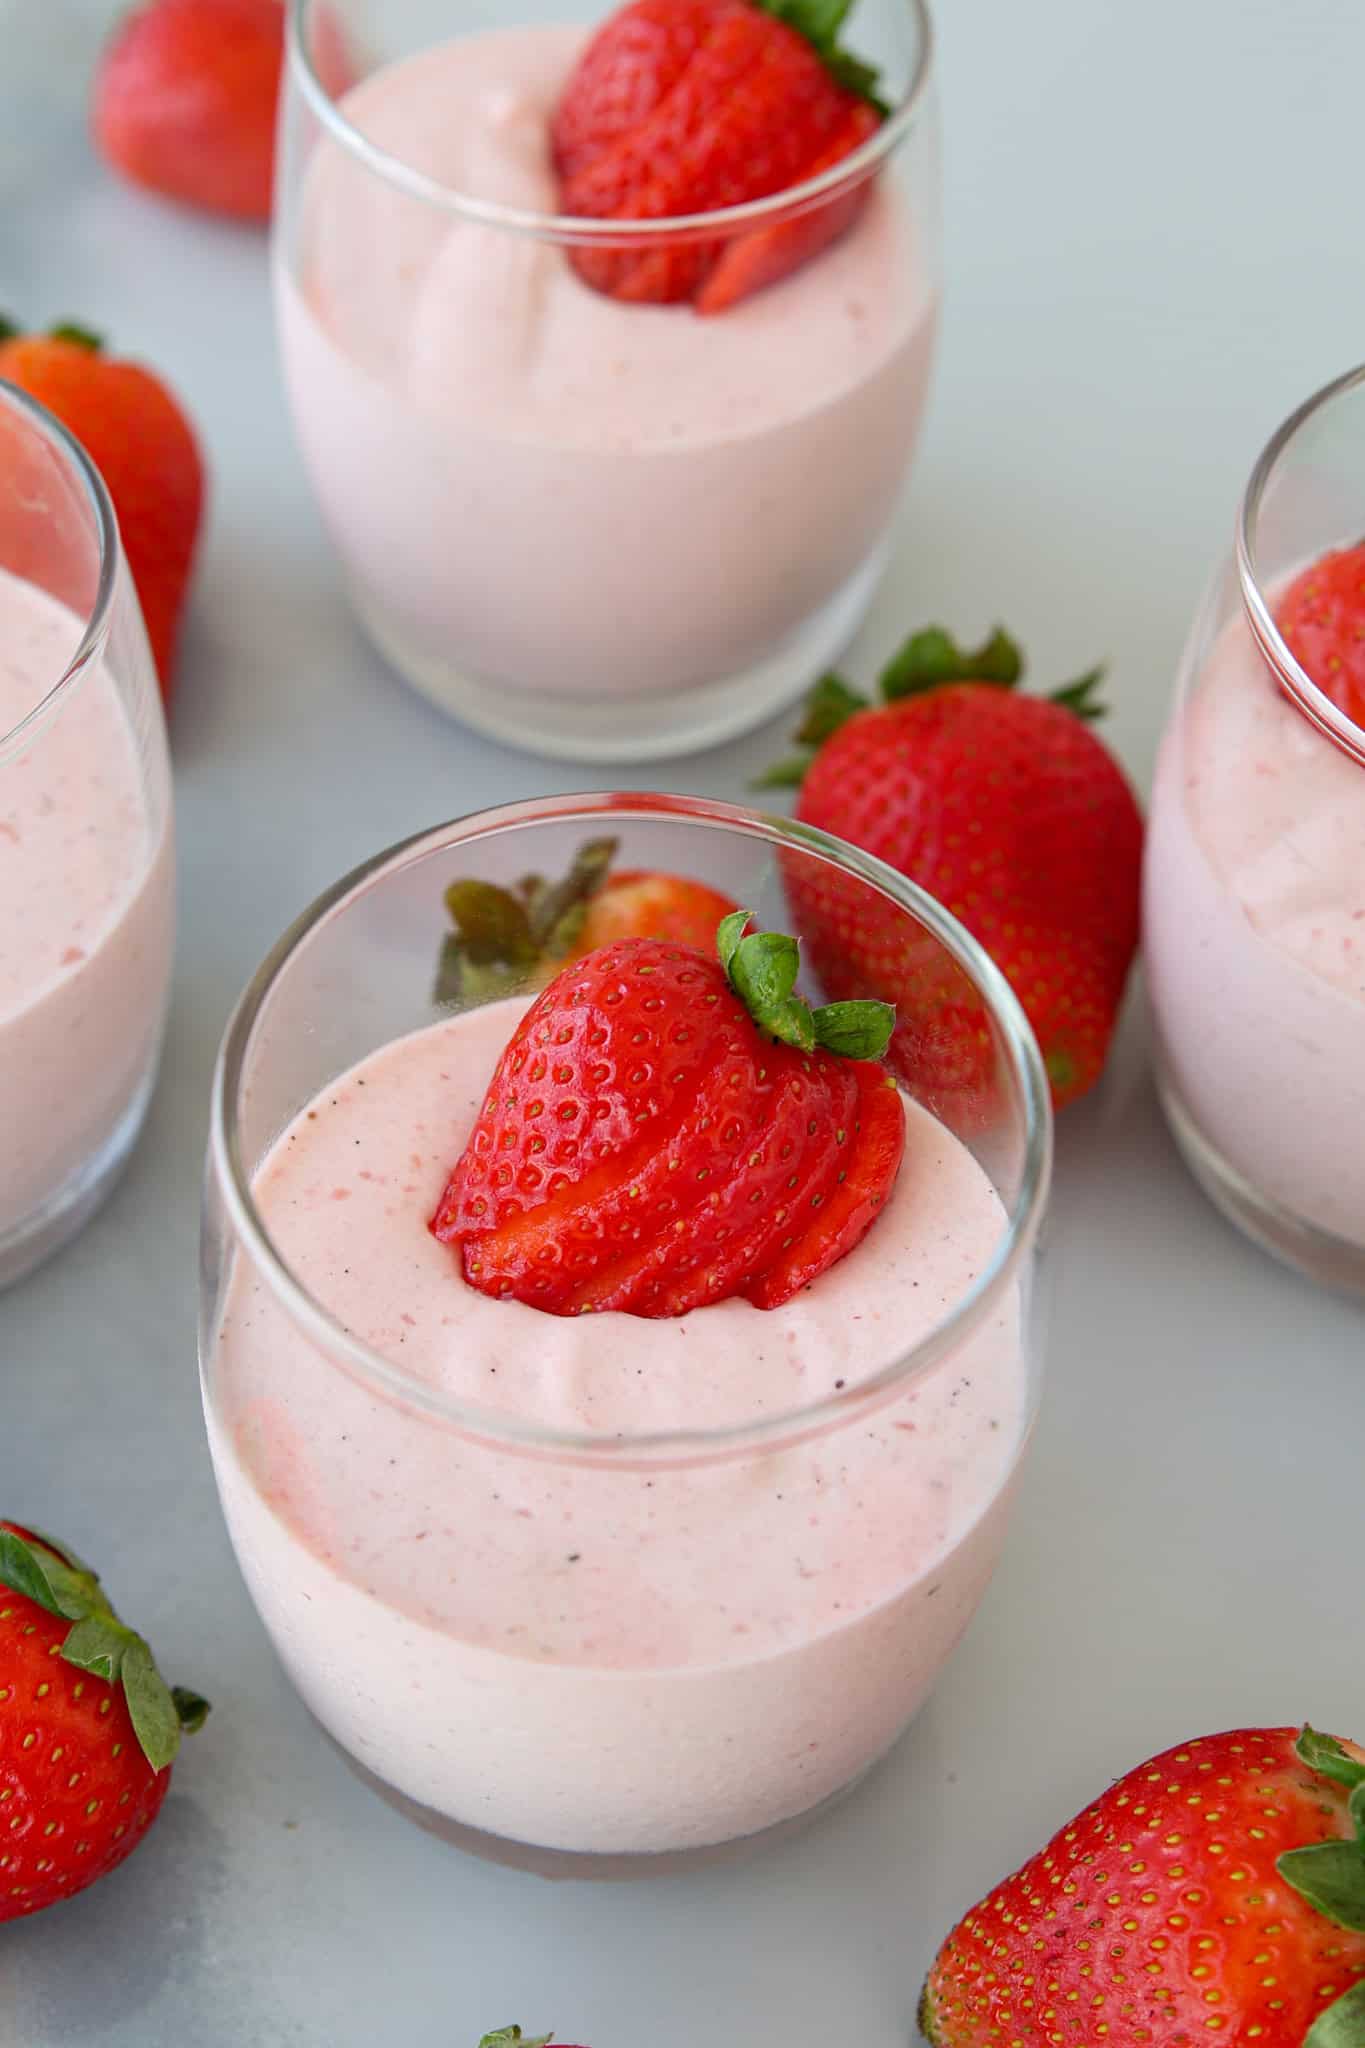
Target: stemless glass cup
x,y
597,530
1255,882
85,842
593,1595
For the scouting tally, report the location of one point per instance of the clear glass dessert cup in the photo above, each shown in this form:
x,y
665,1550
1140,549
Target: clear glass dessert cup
x,y
596,1594
1254,908
86,890
597,530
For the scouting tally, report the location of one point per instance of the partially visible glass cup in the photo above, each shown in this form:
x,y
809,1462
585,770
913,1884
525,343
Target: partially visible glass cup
x,y
86,860
1255,876
598,1593
598,530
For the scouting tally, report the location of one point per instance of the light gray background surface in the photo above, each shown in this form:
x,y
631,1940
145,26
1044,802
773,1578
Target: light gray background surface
x,y
1153,252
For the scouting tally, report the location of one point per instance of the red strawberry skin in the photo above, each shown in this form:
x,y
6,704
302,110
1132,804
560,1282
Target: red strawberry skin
x,y
1322,619
636,904
1008,810
77,1795
644,1147
138,437
185,102
686,106
1157,1919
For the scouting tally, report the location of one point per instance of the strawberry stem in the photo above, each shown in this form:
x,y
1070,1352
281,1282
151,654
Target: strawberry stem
x,y
512,2037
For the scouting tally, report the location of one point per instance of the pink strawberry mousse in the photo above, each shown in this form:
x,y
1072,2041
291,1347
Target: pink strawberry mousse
x,y
602,1657
546,490
1255,938
85,919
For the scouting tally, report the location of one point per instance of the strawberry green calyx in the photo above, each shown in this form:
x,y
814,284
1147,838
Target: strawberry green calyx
x,y
512,2037
501,934
78,336
820,21
55,1579
762,968
1330,1877
65,330
928,660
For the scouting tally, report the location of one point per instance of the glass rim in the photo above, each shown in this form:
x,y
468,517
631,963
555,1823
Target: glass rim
x,y
586,230
233,1175
69,452
1308,696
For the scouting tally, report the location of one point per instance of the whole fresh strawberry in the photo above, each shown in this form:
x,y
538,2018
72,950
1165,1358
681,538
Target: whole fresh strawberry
x,y
1322,619
138,437
684,106
88,1727
185,101
1214,1894
507,939
667,1128
1011,812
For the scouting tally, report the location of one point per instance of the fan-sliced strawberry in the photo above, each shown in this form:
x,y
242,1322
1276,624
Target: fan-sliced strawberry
x,y
682,107
875,1139
666,1130
750,263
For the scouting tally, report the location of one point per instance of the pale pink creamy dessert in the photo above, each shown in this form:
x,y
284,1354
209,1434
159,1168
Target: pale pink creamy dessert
x,y
1255,938
602,1657
547,489
85,913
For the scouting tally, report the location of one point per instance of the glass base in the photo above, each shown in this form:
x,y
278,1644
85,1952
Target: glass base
x,y
597,1868
1319,1255
70,1207
651,728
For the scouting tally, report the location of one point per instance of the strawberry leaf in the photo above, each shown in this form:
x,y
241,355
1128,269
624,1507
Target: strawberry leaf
x,y
557,910
502,934
790,1022
191,1709
150,1706
512,2037
1325,1755
932,657
788,773
41,1576
81,337
61,1550
830,704
1342,2025
729,932
1330,1876
857,1030
1080,696
820,21
98,1645
763,969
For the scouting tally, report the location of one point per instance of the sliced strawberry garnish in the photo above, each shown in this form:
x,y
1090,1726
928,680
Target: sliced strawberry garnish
x,y
666,1129
872,1141
750,263
1322,619
683,107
